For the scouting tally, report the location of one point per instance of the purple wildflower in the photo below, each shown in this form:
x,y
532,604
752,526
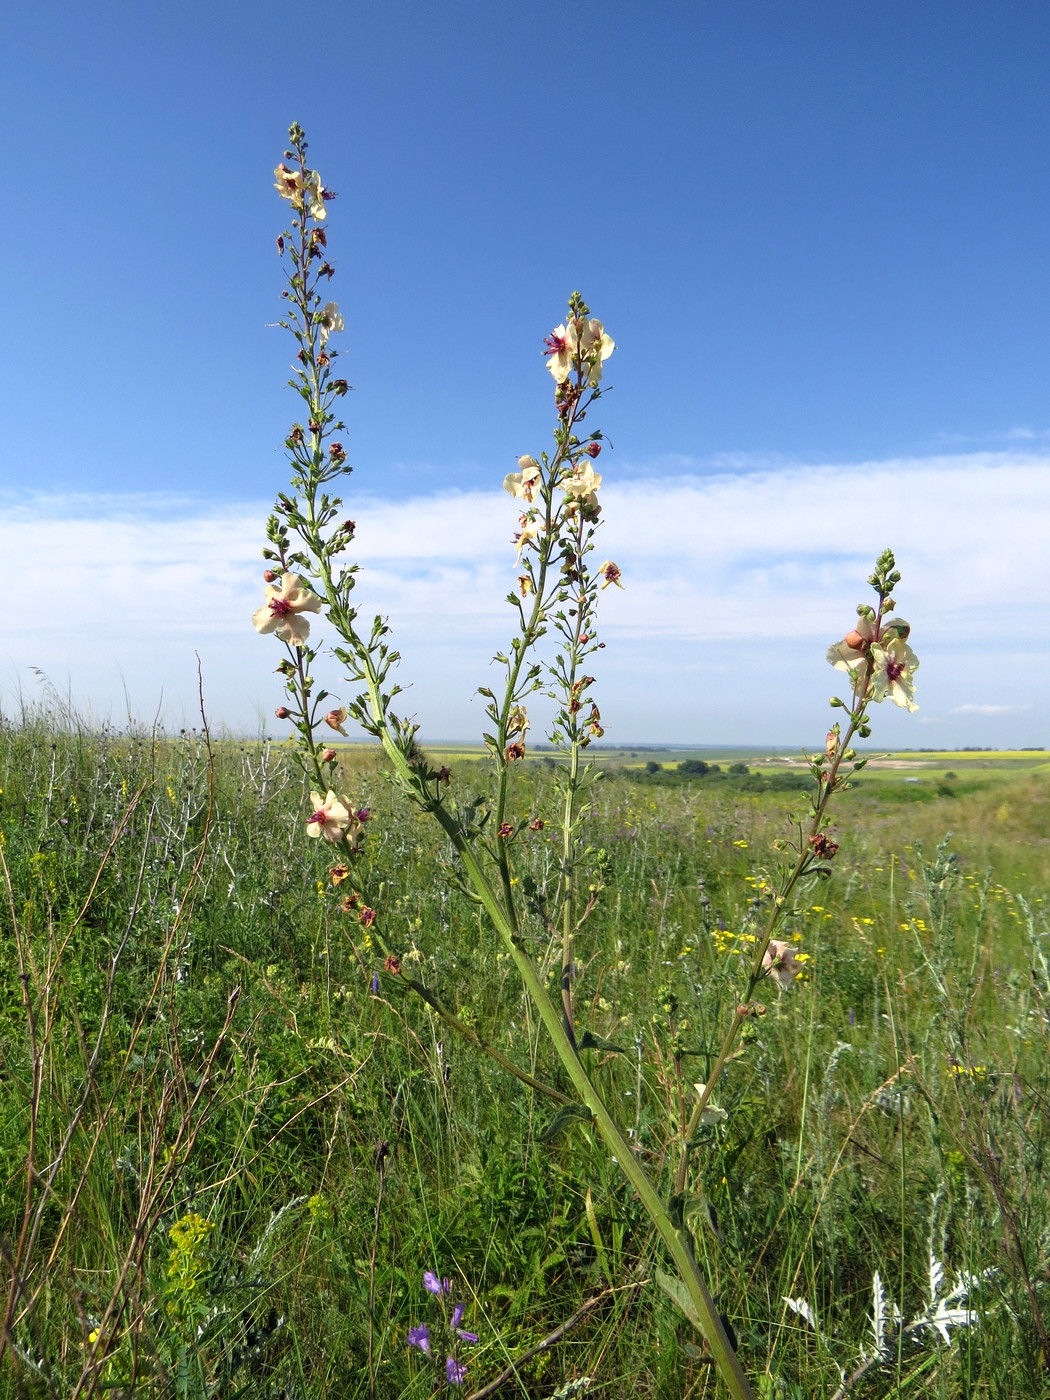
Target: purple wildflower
x,y
433,1284
457,1318
375,984
456,1371
419,1337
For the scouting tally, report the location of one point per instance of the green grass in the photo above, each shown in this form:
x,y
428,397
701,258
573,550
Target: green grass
x,y
201,1040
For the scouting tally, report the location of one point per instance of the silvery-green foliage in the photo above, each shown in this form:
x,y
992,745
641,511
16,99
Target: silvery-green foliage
x,y
944,1311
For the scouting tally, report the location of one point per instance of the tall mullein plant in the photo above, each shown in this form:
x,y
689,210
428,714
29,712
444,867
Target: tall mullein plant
x,y
557,588
877,658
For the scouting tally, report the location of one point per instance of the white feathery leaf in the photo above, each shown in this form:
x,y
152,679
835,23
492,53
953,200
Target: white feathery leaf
x,y
879,1316
936,1278
802,1308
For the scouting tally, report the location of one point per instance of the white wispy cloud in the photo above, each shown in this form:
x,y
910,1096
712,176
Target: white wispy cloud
x,y
989,709
735,582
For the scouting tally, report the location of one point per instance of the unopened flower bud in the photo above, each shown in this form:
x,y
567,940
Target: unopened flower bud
x,y
282,712
855,640
593,448
328,755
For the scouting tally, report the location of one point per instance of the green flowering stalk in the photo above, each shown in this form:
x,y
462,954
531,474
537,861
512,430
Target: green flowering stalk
x,y
557,587
881,665
189,1262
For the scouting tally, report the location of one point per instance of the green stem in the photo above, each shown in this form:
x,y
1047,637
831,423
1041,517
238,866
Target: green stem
x,y
804,862
675,1242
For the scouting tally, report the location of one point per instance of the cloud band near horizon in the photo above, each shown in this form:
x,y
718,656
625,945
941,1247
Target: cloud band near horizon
x,y
734,584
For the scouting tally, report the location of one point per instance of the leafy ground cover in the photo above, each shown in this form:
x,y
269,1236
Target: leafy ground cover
x,y
231,1143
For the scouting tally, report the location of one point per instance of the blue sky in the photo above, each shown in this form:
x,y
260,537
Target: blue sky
x,y
816,231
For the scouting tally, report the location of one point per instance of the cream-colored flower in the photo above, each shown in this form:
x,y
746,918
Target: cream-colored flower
x,y
329,319
595,347
578,342
301,187
561,351
610,572
530,532
711,1114
852,652
780,963
289,184
517,721
280,613
524,484
895,665
330,817
314,193
582,484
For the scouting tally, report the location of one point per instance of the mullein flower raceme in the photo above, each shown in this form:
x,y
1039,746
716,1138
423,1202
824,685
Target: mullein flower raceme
x,y
281,611
524,484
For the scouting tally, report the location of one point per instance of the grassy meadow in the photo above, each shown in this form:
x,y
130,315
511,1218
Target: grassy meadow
x,y
228,1154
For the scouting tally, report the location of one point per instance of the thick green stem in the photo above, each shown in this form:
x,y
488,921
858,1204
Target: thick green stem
x,y
675,1242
